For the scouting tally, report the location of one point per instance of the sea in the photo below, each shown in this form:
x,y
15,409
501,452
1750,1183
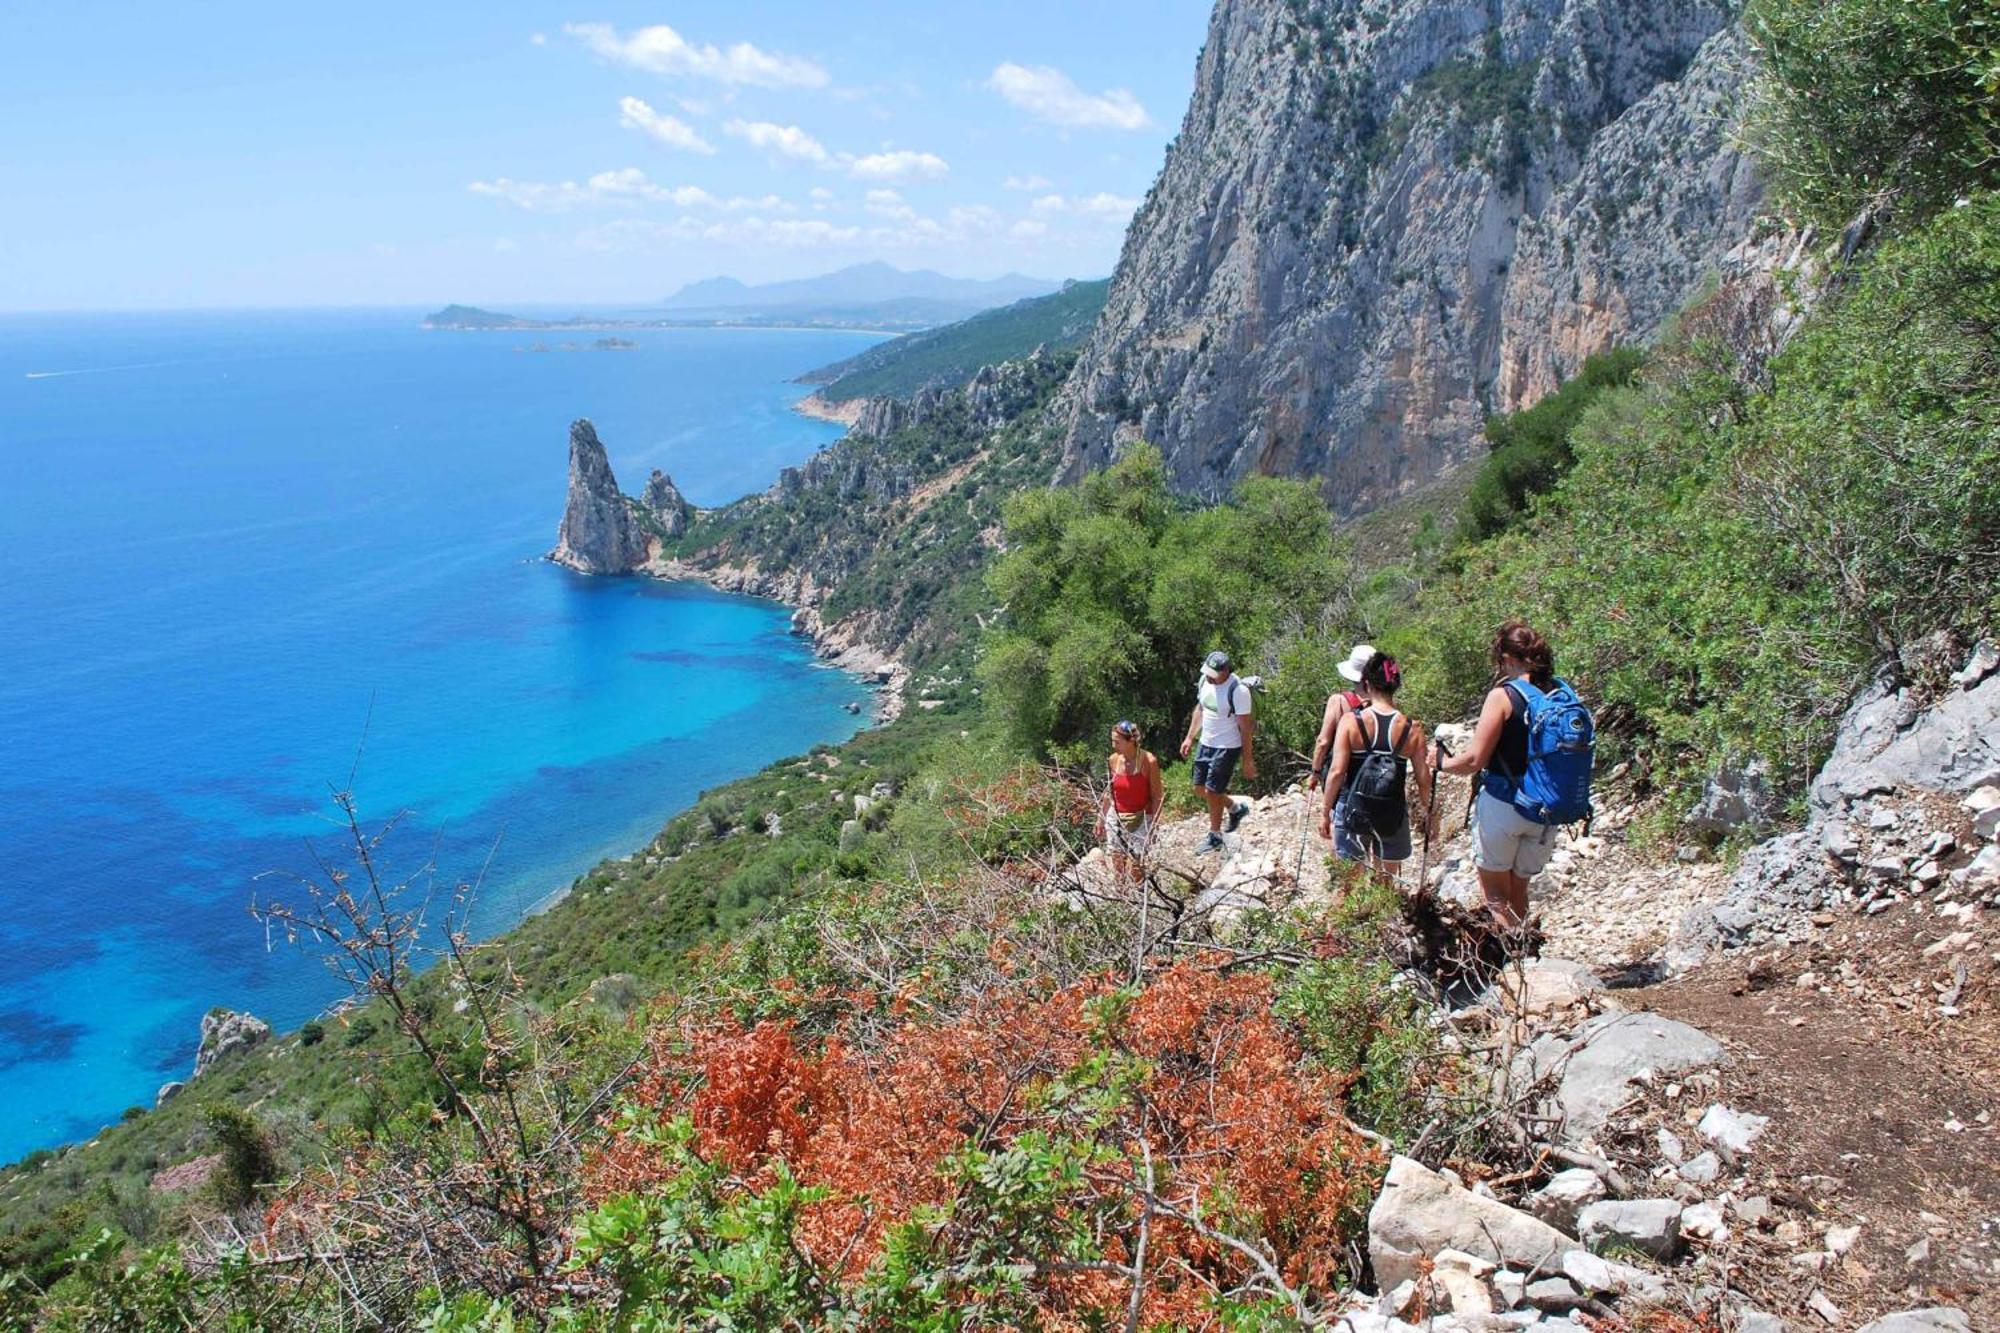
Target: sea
x,y
248,560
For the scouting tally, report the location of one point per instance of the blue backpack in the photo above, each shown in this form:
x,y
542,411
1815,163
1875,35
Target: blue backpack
x,y
1555,789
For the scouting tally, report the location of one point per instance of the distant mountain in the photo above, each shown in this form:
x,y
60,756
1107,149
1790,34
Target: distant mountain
x,y
863,289
951,354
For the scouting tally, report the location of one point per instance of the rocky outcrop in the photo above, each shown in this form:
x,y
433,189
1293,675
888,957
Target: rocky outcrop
x,y
663,500
1874,831
224,1032
600,532
1380,223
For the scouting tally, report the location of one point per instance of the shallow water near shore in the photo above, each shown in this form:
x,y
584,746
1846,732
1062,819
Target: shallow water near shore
x,y
250,554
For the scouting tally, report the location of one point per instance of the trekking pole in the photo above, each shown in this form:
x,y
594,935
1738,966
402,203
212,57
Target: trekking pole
x,y
1299,866
1430,814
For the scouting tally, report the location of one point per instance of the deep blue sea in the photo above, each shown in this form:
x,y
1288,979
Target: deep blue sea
x,y
232,543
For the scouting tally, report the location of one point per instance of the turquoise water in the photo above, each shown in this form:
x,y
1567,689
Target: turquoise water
x,y
236,544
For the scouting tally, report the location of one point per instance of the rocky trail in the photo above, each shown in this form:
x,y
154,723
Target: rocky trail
x,y
1770,1092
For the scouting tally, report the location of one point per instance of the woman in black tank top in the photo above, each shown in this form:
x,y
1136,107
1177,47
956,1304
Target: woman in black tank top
x,y
1373,735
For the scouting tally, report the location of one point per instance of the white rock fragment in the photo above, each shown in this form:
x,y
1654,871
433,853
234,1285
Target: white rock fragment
x,y
1732,1129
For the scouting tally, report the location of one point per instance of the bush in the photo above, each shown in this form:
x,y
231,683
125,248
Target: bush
x,y
1877,99
1530,449
247,1158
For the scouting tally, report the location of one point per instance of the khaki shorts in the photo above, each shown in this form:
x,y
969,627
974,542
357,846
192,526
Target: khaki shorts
x,y
1505,839
1128,835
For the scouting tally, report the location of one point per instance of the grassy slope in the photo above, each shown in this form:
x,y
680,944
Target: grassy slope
x,y
950,355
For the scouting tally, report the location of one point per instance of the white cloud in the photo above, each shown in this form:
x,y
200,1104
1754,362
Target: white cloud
x,y
1029,228
1103,206
793,143
539,38
626,185
661,50
1051,95
781,140
672,131
888,204
1113,207
901,165
1028,183
769,203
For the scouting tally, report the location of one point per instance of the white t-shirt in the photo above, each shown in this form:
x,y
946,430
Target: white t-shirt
x,y
1219,729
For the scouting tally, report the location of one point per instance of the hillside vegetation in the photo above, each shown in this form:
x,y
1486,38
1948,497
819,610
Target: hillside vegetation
x,y
933,358
886,1071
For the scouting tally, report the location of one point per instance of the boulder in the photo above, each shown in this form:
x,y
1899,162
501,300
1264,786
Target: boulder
x,y
1543,988
1596,1065
1420,1214
1777,886
1596,1275
1887,742
168,1091
1936,1319
1553,1293
1733,799
1649,1226
224,1032
1567,1194
1984,807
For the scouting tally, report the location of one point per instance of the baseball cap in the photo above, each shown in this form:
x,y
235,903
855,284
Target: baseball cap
x,y
1216,661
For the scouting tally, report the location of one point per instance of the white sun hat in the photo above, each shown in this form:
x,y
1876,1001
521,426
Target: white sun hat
x,y
1357,659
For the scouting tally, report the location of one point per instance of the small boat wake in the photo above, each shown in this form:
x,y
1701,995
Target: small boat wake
x,y
96,370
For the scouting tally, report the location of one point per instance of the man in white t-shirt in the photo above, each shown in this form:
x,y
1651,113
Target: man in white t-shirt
x,y
1227,732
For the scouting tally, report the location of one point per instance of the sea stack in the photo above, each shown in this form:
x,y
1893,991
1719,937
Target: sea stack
x,y
664,501
600,533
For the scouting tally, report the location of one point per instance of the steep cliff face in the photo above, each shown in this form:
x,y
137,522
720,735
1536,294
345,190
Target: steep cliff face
x,y
664,501
600,532
1382,220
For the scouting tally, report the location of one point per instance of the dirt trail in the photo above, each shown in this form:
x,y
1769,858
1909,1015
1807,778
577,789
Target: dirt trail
x,y
1885,1108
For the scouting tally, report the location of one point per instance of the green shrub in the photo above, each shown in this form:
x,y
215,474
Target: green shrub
x,y
247,1157
1870,99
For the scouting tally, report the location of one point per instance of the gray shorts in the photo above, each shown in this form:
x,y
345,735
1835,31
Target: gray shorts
x,y
1505,839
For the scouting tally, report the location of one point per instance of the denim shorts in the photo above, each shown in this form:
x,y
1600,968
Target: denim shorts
x,y
1213,767
1505,839
1352,847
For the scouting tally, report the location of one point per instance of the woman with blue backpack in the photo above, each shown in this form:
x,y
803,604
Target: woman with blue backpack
x,y
1532,750
1376,750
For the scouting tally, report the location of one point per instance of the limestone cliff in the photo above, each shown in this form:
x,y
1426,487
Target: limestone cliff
x,y
1382,220
664,501
600,533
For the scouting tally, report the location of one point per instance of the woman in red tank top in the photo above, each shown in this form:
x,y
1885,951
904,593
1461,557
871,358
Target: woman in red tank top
x,y
1132,803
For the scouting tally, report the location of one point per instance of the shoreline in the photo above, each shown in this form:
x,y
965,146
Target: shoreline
x,y
815,408
840,645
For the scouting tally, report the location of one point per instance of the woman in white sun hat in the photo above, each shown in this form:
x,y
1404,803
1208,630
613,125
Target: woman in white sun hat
x,y
1338,705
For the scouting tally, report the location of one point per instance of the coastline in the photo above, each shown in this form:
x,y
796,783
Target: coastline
x,y
841,644
817,408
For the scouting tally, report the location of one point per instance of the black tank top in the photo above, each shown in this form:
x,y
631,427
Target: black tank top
x,y
1510,756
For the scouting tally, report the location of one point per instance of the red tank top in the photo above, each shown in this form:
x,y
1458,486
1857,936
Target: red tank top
x,y
1131,792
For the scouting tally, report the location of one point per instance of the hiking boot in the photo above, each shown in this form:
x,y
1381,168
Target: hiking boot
x,y
1236,813
1212,843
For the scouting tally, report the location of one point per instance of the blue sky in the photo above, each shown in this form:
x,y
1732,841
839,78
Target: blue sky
x,y
225,154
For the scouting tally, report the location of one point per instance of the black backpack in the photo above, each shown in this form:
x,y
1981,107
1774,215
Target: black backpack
x,y
1376,804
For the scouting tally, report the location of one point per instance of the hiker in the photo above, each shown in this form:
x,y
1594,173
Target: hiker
x,y
1376,749
1227,732
1532,750
1131,806
1338,705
